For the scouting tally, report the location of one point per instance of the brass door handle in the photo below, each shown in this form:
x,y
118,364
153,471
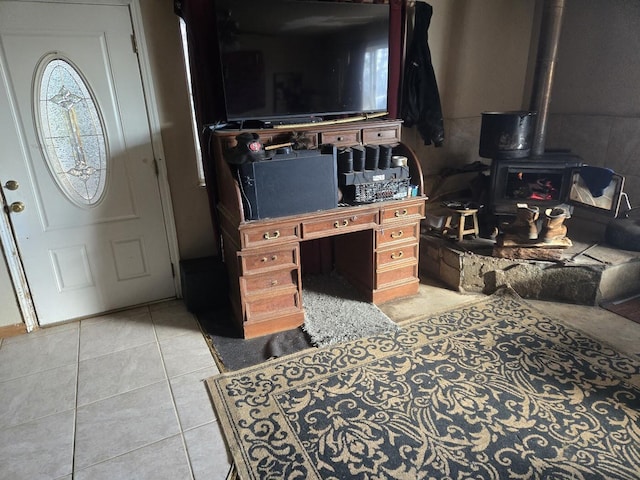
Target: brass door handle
x,y
16,207
401,213
395,256
397,234
344,223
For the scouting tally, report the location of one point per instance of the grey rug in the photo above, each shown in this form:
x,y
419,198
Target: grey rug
x,y
335,311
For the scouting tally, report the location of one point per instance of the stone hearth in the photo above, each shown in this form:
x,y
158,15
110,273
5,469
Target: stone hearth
x,y
588,273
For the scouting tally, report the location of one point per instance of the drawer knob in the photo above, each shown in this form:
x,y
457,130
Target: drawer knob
x,y
401,213
395,256
344,223
269,236
274,283
397,234
265,259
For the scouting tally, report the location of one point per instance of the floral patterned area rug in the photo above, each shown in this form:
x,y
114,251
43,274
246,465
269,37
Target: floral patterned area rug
x,y
489,390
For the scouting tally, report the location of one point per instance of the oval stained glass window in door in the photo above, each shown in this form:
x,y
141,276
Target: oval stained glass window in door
x,y
71,131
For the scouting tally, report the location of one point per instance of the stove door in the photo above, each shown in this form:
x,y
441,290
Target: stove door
x,y
596,189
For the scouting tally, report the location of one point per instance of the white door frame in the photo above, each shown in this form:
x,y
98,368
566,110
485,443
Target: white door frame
x,y
7,239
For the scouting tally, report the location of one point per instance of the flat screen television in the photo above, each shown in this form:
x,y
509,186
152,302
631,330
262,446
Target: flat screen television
x,y
308,59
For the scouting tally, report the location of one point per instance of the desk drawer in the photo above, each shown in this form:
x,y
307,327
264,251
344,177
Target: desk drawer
x,y
398,234
277,303
269,260
381,135
336,225
403,212
342,138
264,235
405,253
401,274
254,284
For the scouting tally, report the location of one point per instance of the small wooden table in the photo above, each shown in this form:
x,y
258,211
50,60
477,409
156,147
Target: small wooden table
x,y
462,217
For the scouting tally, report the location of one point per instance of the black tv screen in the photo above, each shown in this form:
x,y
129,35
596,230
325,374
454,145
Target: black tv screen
x,y
302,58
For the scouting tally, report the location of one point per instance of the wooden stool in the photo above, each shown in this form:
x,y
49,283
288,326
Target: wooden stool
x,y
462,216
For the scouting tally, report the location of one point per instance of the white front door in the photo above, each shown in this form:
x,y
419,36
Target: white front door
x,y
76,161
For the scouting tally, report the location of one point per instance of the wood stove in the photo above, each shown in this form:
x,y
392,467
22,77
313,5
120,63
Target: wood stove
x,y
544,181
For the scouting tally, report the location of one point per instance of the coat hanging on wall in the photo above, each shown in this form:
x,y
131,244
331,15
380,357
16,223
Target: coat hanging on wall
x,y
421,99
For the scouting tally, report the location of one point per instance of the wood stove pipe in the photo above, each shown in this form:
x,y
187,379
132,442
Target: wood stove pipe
x,y
552,14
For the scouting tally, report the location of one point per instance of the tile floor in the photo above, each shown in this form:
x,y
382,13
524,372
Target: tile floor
x,y
122,396
114,397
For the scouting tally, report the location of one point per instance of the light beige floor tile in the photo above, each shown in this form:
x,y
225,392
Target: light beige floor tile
x,y
132,312
119,372
114,333
192,398
166,304
185,354
208,452
174,320
164,460
431,298
39,353
38,395
42,449
126,422
41,332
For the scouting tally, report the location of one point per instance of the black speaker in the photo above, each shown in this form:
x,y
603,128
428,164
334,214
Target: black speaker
x,y
288,184
372,157
358,158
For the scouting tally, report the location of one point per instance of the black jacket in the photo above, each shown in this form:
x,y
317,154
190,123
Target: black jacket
x,y
421,100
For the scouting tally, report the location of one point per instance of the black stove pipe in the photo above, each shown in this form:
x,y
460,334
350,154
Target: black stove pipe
x,y
552,14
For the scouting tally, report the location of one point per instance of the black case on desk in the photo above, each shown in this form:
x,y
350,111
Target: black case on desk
x,y
288,184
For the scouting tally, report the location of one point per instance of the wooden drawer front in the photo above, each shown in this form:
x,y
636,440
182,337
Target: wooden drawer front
x,y
341,138
339,224
381,135
397,255
258,308
252,284
398,234
269,235
397,275
404,212
273,259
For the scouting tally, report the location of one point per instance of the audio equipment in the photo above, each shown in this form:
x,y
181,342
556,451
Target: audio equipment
x,y
288,184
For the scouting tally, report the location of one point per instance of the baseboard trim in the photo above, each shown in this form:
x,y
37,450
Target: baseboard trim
x,y
13,330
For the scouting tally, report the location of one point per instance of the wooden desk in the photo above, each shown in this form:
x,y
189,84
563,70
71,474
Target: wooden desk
x,y
376,245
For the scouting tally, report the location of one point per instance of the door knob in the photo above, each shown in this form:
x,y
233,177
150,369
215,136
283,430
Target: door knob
x,y
11,185
16,207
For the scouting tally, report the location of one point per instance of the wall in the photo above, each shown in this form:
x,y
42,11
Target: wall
x,y
480,53
481,58
190,202
595,102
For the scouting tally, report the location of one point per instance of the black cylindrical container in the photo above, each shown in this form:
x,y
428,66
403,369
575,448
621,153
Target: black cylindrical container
x,y
384,161
358,158
372,157
345,160
506,134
